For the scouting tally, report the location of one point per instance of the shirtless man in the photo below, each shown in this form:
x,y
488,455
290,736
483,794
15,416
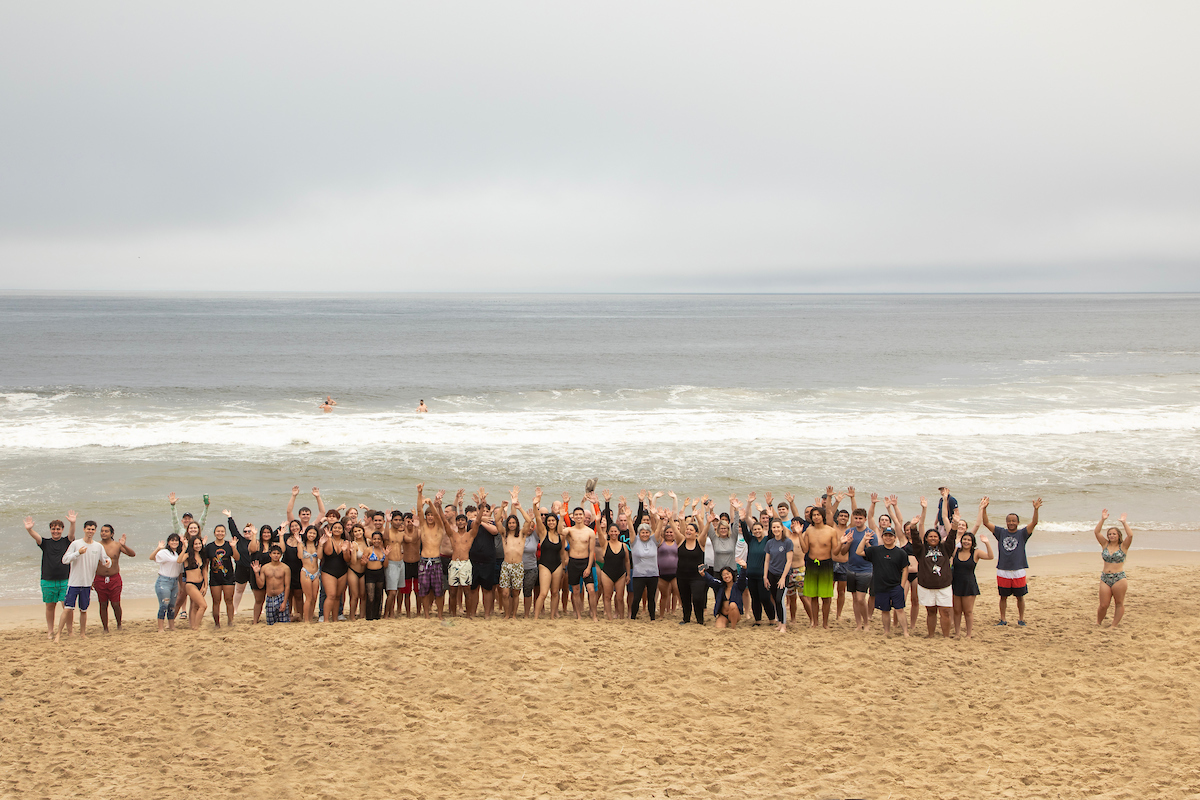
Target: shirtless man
x,y
393,539
461,539
328,405
431,528
421,409
794,580
276,579
411,551
108,578
580,538
819,542
512,570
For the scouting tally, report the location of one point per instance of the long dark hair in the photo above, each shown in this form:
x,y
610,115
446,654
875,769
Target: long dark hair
x,y
178,544
962,542
192,554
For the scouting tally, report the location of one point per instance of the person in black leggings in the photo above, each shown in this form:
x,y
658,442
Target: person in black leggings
x,y
375,563
780,551
693,589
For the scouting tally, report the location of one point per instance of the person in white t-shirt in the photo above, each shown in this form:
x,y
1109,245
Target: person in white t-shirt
x,y
84,555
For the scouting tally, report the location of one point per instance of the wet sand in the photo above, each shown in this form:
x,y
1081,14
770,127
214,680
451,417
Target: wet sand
x,y
474,708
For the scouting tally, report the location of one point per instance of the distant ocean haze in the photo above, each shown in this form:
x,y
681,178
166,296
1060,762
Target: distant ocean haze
x,y
109,403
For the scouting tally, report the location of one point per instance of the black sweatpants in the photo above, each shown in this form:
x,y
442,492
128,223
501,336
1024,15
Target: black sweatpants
x,y
693,594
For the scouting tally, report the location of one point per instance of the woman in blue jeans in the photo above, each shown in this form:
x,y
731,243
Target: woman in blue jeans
x,y
169,556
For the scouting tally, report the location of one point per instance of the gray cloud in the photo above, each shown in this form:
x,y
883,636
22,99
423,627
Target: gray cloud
x,y
607,146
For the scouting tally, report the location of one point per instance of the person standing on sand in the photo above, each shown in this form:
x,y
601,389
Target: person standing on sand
x,y
819,543
195,576
373,579
935,574
54,573
1011,563
1113,582
580,539
394,577
221,555
889,572
780,550
431,527
108,578
169,556
84,556
965,586
274,579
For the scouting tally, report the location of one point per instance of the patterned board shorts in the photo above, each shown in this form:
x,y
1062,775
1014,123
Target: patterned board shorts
x,y
512,576
277,609
429,577
795,581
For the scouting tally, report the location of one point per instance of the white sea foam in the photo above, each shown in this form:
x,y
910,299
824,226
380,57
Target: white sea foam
x,y
571,426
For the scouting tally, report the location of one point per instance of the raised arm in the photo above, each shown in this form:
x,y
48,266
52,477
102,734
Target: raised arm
x,y
127,550
175,526
1128,533
983,517
987,544
1099,532
1033,521
291,504
71,517
320,503
866,540
29,529
921,524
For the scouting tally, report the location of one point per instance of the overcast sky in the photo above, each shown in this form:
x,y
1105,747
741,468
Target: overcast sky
x,y
610,146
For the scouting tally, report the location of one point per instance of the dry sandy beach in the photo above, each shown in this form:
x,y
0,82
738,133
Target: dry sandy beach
x,y
510,710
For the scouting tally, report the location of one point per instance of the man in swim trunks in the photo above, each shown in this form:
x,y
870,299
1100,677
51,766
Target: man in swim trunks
x,y
431,528
819,542
512,569
412,558
275,578
580,539
840,571
462,536
54,572
1011,562
108,578
393,579
84,555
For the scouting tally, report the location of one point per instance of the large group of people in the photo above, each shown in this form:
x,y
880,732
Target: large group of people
x,y
756,564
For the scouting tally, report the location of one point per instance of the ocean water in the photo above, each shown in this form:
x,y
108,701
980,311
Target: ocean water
x,y
108,403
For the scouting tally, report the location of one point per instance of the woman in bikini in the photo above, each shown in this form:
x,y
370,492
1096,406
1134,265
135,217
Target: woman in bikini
x,y
550,561
668,565
334,570
357,562
310,569
195,576
1113,583
375,563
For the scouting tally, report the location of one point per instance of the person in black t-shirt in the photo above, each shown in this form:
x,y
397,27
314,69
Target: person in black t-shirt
x,y
54,572
889,570
221,554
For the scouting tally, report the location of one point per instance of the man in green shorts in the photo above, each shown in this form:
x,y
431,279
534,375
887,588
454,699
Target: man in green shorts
x,y
820,543
54,572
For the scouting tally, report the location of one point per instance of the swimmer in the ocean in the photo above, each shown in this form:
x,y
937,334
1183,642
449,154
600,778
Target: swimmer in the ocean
x,y
421,409
328,405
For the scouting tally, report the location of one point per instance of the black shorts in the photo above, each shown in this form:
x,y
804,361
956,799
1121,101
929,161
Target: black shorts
x,y
215,580
483,575
859,581
840,571
575,569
